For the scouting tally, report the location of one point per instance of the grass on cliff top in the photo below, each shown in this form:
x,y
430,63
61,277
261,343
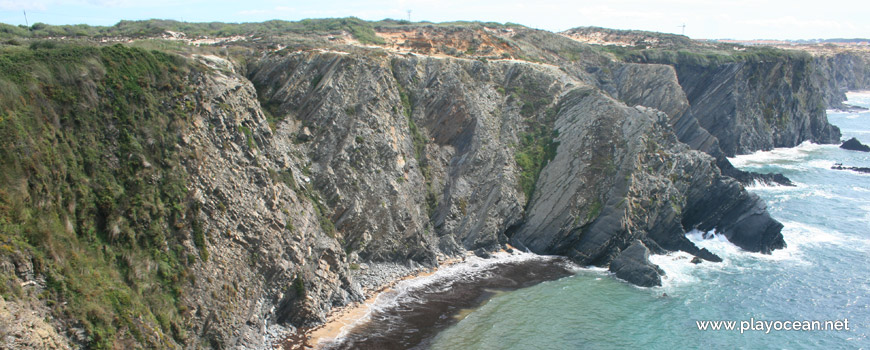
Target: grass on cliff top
x,y
92,190
703,56
361,30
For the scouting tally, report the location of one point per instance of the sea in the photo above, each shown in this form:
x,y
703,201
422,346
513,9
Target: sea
x,y
822,275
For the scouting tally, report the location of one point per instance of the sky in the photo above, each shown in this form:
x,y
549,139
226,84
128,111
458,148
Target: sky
x,y
703,19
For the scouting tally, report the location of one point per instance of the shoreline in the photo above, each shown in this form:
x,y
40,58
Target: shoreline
x,y
340,318
343,319
412,310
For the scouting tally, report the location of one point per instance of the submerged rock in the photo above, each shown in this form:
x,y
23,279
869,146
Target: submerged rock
x,y
854,145
839,166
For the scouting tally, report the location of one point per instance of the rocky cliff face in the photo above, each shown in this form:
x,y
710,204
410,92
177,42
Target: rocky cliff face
x,y
272,258
657,86
758,105
455,133
841,72
620,175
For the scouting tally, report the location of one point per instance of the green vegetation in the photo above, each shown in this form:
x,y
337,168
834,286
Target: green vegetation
x,y
537,145
359,29
91,185
708,57
536,149
594,210
249,136
322,212
284,176
299,286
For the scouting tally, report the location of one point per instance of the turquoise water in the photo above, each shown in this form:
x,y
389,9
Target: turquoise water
x,y
824,274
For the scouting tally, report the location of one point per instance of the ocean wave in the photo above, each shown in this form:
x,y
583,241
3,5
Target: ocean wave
x,y
821,163
802,235
778,156
777,188
858,98
472,268
680,270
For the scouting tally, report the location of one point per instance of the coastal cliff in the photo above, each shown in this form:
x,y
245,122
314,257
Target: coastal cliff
x,y
217,196
840,72
757,102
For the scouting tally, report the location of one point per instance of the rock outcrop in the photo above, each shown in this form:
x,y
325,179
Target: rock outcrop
x,y
657,86
633,265
839,166
619,175
854,145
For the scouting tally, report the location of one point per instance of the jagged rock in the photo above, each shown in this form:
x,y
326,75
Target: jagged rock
x,y
657,86
839,166
696,260
482,253
633,265
854,145
26,326
620,174
304,135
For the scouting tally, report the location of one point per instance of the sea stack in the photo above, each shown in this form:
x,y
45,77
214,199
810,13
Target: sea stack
x,y
854,145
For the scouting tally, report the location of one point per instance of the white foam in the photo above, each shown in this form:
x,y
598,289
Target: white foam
x,y
761,186
858,98
824,194
801,235
473,267
821,163
680,271
778,155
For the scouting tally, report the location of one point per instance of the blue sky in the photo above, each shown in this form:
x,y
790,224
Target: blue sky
x,y
740,19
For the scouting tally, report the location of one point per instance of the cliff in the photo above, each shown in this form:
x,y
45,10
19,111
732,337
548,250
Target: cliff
x,y
840,72
754,101
199,199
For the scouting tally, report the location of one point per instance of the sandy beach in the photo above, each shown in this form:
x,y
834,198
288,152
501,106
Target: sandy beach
x,y
412,311
342,319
